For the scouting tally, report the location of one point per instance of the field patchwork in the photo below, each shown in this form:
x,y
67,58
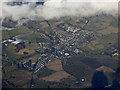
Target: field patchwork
x,y
56,65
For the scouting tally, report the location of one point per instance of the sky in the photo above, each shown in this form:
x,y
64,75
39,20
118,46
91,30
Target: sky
x,y
58,8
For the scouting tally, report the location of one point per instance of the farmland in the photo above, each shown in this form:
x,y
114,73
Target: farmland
x,y
59,74
62,52
87,65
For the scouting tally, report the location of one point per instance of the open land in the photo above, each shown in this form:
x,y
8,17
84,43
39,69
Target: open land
x,y
64,52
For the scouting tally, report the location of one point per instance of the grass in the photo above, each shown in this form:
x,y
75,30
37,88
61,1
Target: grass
x,y
110,38
44,72
13,56
20,31
10,53
84,66
40,84
109,30
79,70
100,23
32,58
34,37
8,71
93,47
101,45
66,83
20,78
28,49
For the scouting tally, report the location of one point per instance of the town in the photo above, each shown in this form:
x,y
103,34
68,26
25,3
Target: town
x,y
62,40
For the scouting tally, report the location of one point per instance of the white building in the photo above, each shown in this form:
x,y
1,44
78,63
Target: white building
x,y
67,54
16,42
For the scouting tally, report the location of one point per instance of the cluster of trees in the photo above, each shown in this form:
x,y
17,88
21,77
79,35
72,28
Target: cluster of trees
x,y
19,46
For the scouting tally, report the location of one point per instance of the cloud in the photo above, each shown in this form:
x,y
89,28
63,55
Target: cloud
x,y
52,9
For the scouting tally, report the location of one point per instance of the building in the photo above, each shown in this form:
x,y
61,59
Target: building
x,y
16,42
115,54
67,54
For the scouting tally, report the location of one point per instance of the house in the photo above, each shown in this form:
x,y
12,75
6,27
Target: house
x,y
16,42
10,40
83,79
61,52
76,51
4,41
67,54
115,54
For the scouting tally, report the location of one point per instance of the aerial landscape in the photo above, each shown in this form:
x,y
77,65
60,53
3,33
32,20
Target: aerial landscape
x,y
69,46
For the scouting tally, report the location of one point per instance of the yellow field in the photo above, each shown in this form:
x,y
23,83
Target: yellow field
x,y
59,74
55,65
56,76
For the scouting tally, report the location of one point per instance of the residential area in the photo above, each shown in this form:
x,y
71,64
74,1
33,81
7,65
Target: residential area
x,y
69,41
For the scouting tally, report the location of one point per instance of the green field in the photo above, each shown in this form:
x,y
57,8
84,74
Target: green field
x,y
84,67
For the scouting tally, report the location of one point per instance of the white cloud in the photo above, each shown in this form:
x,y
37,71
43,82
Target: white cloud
x,y
53,9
